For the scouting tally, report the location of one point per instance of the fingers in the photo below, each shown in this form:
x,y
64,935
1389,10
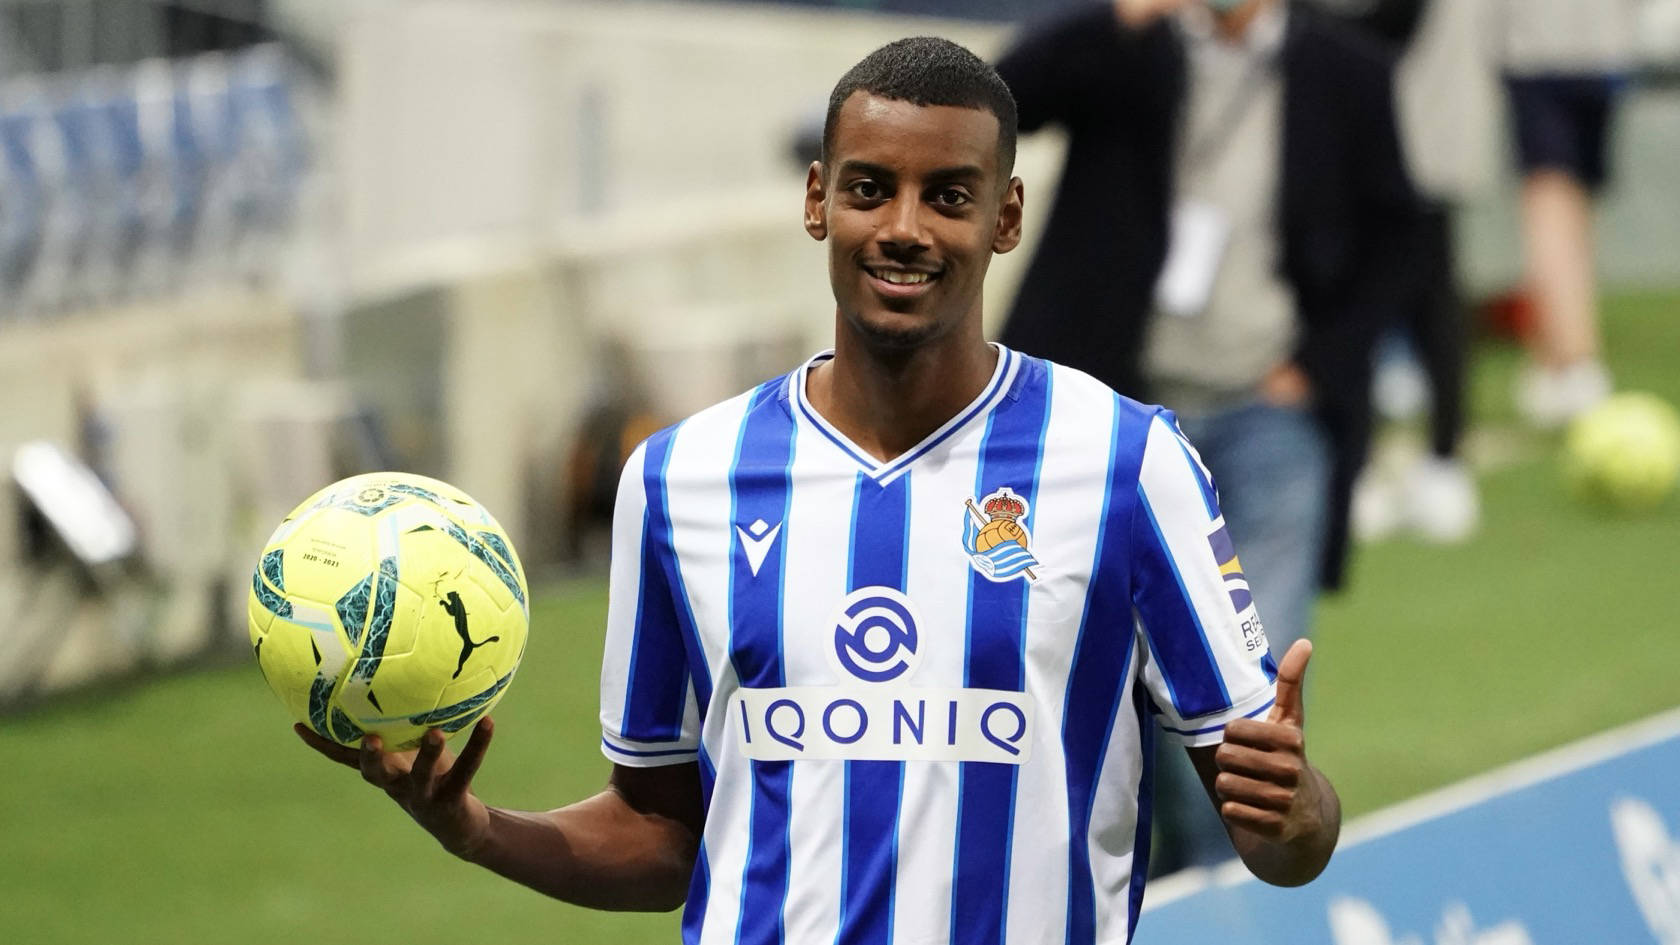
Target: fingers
x,y
401,777
379,767
1291,672
1276,767
348,757
1266,736
1253,792
431,748
1263,821
459,778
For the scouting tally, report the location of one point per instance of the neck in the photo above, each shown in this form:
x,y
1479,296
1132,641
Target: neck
x,y
1232,26
887,401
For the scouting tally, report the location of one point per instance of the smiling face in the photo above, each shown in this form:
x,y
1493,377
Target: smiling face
x,y
913,204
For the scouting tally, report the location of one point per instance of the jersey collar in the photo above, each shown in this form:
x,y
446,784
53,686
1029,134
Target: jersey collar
x,y
1008,364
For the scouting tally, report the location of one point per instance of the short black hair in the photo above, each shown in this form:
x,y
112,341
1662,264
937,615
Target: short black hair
x,y
924,71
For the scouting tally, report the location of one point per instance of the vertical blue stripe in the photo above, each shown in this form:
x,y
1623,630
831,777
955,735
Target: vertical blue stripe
x,y
1011,454
1173,626
659,558
657,691
759,489
874,789
1204,485
1097,681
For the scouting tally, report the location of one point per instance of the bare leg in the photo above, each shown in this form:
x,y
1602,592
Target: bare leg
x,y
1557,234
1566,375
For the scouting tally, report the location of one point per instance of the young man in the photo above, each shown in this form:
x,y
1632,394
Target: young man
x,y
886,633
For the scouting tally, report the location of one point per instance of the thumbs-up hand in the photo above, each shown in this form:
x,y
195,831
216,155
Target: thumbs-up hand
x,y
1264,783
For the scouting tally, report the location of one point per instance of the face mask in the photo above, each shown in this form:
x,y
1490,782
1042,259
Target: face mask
x,y
1224,6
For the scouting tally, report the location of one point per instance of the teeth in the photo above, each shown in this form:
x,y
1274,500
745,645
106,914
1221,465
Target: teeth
x,y
903,278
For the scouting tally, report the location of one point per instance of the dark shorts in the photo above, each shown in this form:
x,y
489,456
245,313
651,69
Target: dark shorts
x,y
1562,123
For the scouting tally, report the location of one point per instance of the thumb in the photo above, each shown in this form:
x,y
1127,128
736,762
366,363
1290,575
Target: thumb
x,y
1291,671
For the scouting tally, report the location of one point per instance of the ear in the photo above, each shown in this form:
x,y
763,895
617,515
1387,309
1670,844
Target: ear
x,y
1008,233
816,203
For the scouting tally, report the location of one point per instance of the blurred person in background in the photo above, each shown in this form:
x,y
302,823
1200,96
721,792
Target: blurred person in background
x,y
807,531
1565,62
1447,107
1229,236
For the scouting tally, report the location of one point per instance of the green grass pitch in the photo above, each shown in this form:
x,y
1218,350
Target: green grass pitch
x,y
183,810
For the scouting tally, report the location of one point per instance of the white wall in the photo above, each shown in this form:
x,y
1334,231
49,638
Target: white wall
x,y
514,119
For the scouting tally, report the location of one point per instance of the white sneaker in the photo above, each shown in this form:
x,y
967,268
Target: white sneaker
x,y
1548,398
1376,510
1440,502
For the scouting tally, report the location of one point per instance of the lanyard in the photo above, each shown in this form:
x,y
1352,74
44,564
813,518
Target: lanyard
x,y
1198,151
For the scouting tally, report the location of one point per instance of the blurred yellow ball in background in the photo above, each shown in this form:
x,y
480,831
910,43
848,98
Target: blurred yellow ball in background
x,y
1625,452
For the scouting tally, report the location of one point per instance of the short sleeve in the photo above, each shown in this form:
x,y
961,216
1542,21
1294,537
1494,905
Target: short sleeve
x,y
648,711
1205,658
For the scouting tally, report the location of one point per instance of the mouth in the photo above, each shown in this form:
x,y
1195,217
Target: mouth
x,y
897,282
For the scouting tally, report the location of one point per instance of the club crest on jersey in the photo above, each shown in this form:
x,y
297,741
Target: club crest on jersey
x,y
998,544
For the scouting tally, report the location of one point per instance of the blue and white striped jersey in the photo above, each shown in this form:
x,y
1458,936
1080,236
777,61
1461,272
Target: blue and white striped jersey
x,y
919,691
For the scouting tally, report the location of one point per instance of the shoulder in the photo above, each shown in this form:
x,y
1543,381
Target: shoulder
x,y
1081,395
1082,408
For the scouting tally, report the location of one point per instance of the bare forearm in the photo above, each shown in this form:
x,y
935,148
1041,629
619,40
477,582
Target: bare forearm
x,y
599,853
1294,861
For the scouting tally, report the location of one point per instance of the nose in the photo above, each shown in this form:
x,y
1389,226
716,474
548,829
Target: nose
x,y
902,232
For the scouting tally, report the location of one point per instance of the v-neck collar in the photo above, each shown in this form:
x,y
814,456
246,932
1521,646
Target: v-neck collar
x,y
1003,376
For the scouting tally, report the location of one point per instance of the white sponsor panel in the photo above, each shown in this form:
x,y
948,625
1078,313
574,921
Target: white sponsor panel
x,y
882,724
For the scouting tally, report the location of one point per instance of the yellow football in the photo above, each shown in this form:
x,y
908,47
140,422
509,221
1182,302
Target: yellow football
x,y
388,603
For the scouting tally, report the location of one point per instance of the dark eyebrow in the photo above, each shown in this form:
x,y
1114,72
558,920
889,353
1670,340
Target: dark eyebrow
x,y
867,169
965,173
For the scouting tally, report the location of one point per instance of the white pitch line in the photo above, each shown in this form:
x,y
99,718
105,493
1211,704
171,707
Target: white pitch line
x,y
1451,799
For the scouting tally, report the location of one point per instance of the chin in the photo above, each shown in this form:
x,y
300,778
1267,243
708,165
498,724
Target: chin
x,y
895,331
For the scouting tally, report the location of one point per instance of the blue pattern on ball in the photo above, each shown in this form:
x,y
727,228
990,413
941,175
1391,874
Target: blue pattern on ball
x,y
482,552
465,705
379,628
353,610
270,570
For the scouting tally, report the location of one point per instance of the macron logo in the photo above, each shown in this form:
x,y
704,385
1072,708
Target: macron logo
x,y
758,543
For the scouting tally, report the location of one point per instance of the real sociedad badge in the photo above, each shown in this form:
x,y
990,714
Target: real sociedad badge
x,y
998,545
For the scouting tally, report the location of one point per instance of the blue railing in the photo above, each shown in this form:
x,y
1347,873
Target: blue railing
x,y
135,181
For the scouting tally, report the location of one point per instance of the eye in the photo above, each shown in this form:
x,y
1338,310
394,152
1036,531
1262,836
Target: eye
x,y
952,197
867,189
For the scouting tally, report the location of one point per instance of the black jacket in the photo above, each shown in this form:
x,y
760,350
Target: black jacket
x,y
1346,209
